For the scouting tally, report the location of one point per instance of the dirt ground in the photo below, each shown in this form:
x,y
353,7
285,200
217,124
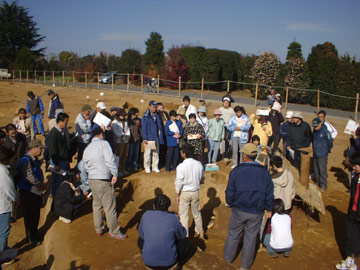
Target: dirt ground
x,y
319,239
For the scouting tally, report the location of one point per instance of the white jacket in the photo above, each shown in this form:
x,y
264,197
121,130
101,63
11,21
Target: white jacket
x,y
284,188
99,160
121,133
191,109
189,174
8,193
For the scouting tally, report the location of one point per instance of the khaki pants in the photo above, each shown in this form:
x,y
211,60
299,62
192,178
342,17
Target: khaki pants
x,y
122,150
190,199
148,153
104,198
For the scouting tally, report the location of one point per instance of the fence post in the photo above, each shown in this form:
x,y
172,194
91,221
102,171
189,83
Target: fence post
x,y
27,76
256,93
356,107
35,75
158,85
179,86
287,98
318,101
112,81
202,88
13,75
142,83
63,78
127,82
73,78
20,75
44,76
53,77
98,80
228,87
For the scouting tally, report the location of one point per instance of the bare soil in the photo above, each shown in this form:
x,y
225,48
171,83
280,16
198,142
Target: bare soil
x,y
319,239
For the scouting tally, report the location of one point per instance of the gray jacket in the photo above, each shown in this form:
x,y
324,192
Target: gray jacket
x,y
83,128
99,160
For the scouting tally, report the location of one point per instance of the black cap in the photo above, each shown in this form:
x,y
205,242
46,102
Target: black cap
x,y
316,122
50,92
153,103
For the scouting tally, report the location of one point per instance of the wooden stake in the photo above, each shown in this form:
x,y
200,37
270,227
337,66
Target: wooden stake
x,y
20,75
63,78
53,76
142,83
256,93
228,87
179,86
286,99
98,80
27,76
44,76
127,83
158,84
112,81
35,75
85,79
13,75
73,78
318,101
357,105
202,88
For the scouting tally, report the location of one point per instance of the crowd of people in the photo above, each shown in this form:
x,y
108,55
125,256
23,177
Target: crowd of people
x,y
108,145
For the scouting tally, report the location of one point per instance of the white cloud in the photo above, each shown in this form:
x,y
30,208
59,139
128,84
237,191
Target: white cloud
x,y
310,27
120,37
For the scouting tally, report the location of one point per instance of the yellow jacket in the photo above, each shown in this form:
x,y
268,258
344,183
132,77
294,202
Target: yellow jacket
x,y
263,131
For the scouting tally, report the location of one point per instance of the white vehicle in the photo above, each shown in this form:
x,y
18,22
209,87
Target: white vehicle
x,y
4,73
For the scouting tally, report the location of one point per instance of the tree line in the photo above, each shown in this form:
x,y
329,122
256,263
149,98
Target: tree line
x,y
324,68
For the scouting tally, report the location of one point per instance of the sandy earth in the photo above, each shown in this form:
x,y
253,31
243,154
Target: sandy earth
x,y
319,239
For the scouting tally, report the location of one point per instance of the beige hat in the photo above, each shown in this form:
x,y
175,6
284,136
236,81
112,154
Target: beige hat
x,y
35,143
297,114
217,112
249,149
289,114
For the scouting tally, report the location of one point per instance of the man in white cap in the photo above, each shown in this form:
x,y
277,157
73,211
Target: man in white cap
x,y
299,136
227,113
100,107
284,129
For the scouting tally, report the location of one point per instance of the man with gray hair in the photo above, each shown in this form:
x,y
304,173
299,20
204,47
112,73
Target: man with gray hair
x,y
83,130
250,192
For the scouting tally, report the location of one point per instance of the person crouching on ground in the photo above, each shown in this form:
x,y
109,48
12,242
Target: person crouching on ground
x,y
353,219
279,239
68,197
162,237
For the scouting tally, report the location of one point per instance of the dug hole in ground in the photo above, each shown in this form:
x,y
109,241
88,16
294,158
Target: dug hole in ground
x,y
319,239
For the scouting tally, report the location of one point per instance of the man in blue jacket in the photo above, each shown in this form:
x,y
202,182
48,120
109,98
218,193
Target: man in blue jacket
x,y
322,144
55,106
249,192
152,133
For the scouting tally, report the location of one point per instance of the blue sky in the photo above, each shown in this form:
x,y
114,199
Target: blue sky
x,y
88,26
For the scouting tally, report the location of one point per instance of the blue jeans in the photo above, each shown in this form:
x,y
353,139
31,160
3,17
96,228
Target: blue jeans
x,y
41,126
4,230
266,242
57,179
172,155
213,146
133,155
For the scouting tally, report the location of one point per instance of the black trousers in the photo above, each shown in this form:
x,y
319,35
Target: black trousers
x,y
31,204
275,138
352,235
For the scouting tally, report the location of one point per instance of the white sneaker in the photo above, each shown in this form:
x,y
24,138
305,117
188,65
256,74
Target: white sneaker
x,y
65,220
347,264
147,170
156,170
233,166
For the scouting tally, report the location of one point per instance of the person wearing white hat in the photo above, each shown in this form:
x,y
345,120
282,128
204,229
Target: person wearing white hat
x,y
299,136
227,113
215,135
284,128
100,107
262,126
275,118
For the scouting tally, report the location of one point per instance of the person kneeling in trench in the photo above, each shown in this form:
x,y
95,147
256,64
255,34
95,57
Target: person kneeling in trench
x,y
162,238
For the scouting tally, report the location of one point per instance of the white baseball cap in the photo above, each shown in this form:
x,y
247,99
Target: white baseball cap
x,y
101,105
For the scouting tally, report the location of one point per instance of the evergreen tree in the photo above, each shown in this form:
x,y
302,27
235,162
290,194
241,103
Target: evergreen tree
x,y
294,51
193,57
211,68
154,55
297,77
130,61
25,60
17,30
